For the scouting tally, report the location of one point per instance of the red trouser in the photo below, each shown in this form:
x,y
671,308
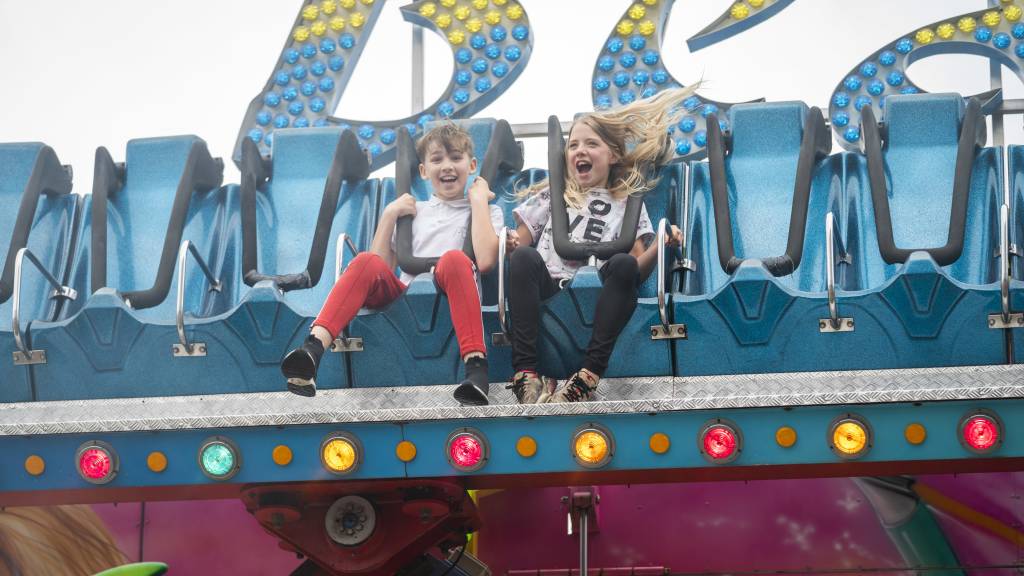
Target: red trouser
x,y
369,282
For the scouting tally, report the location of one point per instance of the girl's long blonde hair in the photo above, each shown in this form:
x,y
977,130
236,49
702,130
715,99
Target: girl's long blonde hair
x,y
55,541
638,135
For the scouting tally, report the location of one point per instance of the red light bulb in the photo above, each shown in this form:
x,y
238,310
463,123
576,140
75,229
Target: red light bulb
x,y
981,433
94,463
719,442
466,451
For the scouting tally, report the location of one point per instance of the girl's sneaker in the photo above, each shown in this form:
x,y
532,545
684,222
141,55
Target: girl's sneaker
x,y
473,390
576,389
531,388
300,365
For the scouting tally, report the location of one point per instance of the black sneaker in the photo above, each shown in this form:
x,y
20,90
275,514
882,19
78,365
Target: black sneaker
x,y
531,388
300,365
576,389
473,390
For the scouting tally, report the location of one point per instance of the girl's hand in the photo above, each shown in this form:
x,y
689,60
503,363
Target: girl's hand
x,y
511,241
404,205
480,191
674,237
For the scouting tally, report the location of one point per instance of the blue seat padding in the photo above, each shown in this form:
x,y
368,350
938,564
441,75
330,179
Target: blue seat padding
x,y
49,239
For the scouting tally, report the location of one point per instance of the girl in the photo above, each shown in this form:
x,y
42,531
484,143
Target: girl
x,y
609,156
446,161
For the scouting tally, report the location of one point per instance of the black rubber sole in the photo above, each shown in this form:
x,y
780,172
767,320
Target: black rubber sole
x,y
468,394
300,387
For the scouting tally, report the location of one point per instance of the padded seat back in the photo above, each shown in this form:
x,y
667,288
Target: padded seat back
x,y
288,206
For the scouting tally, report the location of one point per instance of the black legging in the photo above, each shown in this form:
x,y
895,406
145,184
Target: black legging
x,y
530,283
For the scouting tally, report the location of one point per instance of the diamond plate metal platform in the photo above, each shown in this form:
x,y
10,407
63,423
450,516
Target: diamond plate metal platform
x,y
616,396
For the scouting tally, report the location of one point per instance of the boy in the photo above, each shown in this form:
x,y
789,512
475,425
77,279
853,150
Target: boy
x,y
439,227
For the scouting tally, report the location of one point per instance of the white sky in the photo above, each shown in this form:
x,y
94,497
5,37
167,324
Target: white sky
x,y
81,74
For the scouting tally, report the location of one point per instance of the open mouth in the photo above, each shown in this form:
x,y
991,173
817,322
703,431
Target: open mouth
x,y
583,167
449,179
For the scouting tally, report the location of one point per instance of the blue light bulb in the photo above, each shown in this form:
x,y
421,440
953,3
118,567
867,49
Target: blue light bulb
x,y
606,63
462,77
841,99
296,108
492,51
983,35
326,84
387,136
651,58
621,79
908,90
723,125
290,93
271,99
637,43
852,83
318,68
895,78
308,88
446,109
1001,41
336,63
626,96
308,51
520,32
615,45
513,53
1018,30
852,134
365,132
281,121
291,56
659,77
708,110
317,104
299,72
887,58
269,139
374,149
868,70
424,119
301,122
477,42
282,78
840,119
263,118
411,128
499,69
498,33
480,66
320,122
1019,50
691,103
648,92
700,139
482,84
682,146
463,55
347,41
460,96
687,124
876,87
256,135
640,77
903,46
602,102
627,60
861,102
327,46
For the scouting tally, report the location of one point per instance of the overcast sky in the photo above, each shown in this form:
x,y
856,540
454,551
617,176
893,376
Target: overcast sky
x,y
80,74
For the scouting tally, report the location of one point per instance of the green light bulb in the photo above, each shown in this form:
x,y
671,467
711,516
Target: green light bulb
x,y
218,459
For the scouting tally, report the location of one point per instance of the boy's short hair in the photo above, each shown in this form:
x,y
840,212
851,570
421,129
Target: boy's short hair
x,y
447,134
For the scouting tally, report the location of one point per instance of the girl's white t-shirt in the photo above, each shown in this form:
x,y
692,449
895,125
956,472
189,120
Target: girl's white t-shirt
x,y
440,226
599,220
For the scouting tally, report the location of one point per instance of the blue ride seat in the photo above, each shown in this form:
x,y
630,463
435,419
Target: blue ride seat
x,y
293,213
929,236
756,238
1015,160
32,178
116,337
412,341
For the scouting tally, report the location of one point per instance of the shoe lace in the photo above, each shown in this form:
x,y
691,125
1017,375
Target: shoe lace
x,y
576,389
518,385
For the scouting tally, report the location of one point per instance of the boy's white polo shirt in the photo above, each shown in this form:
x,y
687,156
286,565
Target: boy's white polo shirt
x,y
440,225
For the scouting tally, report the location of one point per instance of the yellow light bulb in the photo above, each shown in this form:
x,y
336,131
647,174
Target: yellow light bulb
x,y
646,28
301,34
347,4
319,28
328,7
447,3
456,37
924,36
850,438
310,12
492,17
337,23
514,12
966,24
637,11
443,21
755,3
474,24
991,18
339,455
428,10
946,31
462,12
357,20
739,11
479,4
1012,13
624,28
591,447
